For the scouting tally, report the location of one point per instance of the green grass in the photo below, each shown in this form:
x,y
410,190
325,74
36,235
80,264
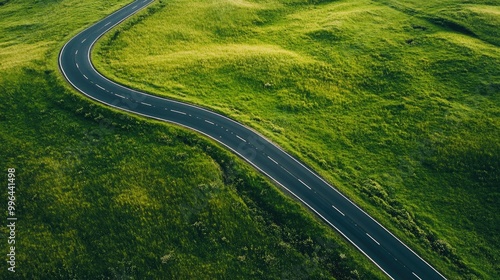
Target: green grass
x,y
395,102
475,18
101,194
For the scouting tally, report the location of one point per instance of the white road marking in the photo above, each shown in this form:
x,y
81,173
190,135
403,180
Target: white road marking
x,y
240,138
416,276
107,24
120,96
338,210
147,104
85,77
76,52
304,184
134,7
209,122
83,41
100,87
272,159
373,239
77,66
324,218
178,112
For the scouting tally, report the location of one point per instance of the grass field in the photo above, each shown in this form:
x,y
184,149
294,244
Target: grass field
x,y
105,195
395,102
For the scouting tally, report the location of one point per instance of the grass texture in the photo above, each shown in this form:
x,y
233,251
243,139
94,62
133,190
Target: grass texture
x,y
394,102
101,194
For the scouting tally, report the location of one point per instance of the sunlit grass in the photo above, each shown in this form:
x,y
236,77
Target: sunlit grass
x,y
105,195
12,56
393,101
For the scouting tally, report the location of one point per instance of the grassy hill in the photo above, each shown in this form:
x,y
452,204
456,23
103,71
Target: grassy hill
x,y
101,194
395,102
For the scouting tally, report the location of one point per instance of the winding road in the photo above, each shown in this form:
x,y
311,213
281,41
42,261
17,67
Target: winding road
x,y
392,256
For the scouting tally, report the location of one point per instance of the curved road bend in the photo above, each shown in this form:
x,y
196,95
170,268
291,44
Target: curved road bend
x,y
392,256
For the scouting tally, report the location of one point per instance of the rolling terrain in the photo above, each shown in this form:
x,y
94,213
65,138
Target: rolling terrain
x,y
389,254
104,194
395,104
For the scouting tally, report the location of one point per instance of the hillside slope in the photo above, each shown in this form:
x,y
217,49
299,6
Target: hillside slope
x,y
395,104
102,194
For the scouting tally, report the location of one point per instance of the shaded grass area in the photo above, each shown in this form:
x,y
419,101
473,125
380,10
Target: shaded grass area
x,y
101,194
399,111
112,196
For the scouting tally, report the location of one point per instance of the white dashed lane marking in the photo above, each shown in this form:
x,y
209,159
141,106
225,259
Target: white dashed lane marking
x,y
338,210
240,138
100,87
178,112
272,159
373,239
304,184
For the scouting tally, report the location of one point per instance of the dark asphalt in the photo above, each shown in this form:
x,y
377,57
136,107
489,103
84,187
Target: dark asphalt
x,y
373,240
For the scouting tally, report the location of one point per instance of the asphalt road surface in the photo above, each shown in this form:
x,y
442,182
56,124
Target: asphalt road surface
x,y
392,256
